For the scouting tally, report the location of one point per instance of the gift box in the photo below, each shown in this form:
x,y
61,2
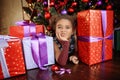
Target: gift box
x,y
11,58
24,29
95,34
38,50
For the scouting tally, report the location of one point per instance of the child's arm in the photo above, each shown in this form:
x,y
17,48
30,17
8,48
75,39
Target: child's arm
x,y
62,55
74,57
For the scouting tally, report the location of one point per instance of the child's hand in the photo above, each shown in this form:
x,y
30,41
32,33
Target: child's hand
x,y
74,59
61,37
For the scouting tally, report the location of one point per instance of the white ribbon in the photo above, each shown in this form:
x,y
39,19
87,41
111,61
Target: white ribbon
x,y
3,44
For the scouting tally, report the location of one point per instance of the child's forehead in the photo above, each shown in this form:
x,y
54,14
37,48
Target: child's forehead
x,y
63,19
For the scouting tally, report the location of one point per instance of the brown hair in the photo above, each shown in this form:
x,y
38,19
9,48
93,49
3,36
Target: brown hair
x,y
54,19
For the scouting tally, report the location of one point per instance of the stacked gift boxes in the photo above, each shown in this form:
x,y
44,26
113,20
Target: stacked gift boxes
x,y
95,31
22,53
11,58
27,31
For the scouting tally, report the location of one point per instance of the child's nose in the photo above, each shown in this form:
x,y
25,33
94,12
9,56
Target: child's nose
x,y
62,29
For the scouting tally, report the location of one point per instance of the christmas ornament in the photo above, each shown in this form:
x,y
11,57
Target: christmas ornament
x,y
52,4
106,1
74,4
47,15
85,1
45,3
71,10
54,68
49,28
109,6
99,3
62,4
64,12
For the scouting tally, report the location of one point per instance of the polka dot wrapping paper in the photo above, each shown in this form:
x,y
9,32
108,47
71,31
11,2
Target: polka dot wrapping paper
x,y
25,31
94,31
14,60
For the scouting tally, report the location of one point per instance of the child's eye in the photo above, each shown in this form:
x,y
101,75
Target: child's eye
x,y
59,27
67,27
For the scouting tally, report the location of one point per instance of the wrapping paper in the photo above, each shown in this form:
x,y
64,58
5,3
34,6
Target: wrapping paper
x,y
11,58
95,31
30,62
25,30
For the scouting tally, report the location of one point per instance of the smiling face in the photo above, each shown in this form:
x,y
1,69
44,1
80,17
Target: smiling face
x,y
64,28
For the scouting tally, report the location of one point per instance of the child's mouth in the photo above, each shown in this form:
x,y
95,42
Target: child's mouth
x,y
63,34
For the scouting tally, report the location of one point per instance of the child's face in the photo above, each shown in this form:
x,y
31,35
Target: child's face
x,y
64,29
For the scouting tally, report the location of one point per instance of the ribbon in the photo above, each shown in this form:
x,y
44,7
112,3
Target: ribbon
x,y
4,37
95,39
63,70
39,50
29,28
3,44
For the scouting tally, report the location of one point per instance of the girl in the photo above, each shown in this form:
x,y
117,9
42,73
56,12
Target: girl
x,y
64,39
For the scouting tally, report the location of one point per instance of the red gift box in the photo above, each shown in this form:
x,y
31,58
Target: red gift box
x,y
94,31
25,31
11,58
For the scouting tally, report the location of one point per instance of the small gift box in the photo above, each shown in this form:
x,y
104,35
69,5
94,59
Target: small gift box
x,y
11,57
25,29
38,51
95,35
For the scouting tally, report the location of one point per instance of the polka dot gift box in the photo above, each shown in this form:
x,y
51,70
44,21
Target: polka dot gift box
x,y
94,33
25,29
11,58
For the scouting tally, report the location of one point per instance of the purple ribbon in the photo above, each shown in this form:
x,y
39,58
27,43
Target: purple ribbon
x,y
96,39
39,50
29,28
63,70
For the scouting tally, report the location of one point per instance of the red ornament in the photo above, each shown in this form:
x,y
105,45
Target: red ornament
x,y
54,68
85,1
74,4
106,1
71,10
109,6
52,3
47,15
62,4
49,28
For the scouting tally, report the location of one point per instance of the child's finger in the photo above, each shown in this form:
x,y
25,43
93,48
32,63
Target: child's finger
x,y
76,61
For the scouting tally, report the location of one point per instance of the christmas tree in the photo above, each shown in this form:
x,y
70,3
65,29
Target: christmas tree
x,y
42,10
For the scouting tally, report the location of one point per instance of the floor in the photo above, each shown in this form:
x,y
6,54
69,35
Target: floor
x,y
109,70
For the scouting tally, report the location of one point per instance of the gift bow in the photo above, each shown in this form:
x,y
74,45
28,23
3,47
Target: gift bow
x,y
29,28
63,70
39,50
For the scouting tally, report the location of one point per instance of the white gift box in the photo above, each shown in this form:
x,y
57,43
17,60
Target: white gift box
x,y
30,63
